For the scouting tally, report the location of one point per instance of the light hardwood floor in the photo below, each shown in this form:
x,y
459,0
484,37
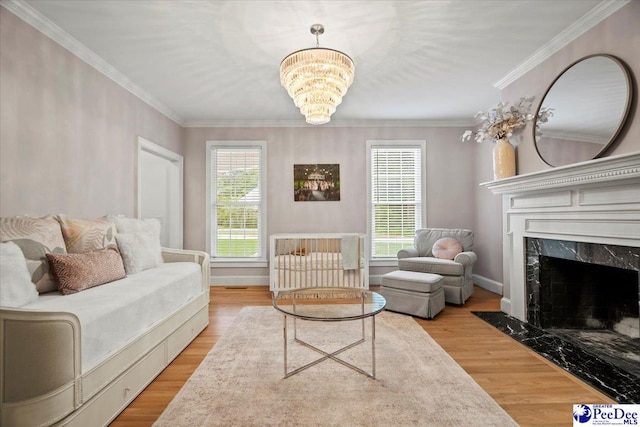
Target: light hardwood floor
x,y
531,389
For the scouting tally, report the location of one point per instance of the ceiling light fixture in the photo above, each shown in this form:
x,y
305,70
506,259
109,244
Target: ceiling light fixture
x,y
317,79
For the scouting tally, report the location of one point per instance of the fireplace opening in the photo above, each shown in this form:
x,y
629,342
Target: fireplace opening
x,y
594,306
587,294
579,295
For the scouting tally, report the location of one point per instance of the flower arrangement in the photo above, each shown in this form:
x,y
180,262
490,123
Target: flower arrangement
x,y
502,121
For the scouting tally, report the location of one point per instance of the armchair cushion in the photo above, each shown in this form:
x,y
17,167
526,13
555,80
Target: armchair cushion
x,y
427,237
445,267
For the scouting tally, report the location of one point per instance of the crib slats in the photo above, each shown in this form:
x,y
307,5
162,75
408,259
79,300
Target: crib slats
x,y
302,261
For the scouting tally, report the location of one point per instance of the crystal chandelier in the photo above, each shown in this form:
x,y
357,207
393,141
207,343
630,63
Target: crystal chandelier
x,y
317,79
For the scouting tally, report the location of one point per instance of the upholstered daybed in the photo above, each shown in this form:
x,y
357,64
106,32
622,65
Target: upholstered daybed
x,y
80,359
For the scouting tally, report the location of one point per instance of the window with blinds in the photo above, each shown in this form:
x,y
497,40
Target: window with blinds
x,y
395,196
236,201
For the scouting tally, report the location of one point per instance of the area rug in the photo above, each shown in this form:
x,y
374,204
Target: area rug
x,y
240,382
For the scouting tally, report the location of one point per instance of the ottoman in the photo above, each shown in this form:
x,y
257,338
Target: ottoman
x,y
412,292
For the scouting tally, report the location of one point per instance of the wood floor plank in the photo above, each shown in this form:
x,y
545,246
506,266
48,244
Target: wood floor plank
x,y
531,389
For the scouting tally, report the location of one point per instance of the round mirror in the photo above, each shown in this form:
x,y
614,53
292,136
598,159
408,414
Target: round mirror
x,y
589,102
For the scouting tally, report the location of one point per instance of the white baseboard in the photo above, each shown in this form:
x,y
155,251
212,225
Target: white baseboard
x,y
239,280
375,280
483,282
505,305
488,284
261,280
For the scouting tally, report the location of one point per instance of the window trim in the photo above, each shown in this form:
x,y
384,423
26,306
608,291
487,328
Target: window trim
x,y
370,145
262,230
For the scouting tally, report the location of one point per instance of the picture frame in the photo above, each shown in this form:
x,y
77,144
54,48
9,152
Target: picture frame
x,y
316,182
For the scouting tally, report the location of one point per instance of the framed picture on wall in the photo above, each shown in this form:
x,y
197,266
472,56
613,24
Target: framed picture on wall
x,y
316,183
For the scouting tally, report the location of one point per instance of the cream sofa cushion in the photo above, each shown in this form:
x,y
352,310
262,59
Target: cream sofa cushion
x,y
139,251
113,315
87,235
16,288
150,226
36,237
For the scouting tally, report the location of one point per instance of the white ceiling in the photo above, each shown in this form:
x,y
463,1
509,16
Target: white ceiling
x,y
217,62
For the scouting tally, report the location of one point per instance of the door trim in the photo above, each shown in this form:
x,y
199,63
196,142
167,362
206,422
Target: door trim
x,y
163,153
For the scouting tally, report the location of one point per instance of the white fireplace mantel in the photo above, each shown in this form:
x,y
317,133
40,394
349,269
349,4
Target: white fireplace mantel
x,y
596,201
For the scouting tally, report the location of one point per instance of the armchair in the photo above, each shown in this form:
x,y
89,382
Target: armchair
x,y
457,273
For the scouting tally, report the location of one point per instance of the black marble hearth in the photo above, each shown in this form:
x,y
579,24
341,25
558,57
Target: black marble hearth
x,y
612,380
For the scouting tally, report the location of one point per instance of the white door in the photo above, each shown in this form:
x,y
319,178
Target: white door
x,y
160,190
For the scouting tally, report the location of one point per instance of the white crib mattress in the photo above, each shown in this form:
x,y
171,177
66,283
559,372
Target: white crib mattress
x,y
311,261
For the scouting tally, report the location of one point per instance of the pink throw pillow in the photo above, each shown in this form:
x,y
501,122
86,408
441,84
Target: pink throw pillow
x,y
446,248
77,272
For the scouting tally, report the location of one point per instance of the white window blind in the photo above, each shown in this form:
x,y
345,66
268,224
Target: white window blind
x,y
236,203
396,198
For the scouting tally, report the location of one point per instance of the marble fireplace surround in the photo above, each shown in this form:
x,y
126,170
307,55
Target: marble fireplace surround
x,y
597,201
604,295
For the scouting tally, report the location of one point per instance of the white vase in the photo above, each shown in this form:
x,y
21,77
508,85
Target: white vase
x,y
504,159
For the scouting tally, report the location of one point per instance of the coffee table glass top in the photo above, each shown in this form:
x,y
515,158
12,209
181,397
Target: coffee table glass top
x,y
329,304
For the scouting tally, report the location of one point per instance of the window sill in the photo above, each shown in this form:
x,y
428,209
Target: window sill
x,y
385,262
227,263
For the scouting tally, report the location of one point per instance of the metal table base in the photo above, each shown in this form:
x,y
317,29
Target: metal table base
x,y
332,355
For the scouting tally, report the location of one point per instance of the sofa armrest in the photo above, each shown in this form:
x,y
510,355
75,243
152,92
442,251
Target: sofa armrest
x,y
41,364
466,258
183,255
408,253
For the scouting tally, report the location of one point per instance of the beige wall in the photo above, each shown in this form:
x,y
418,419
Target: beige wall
x,y
68,134
487,223
68,139
618,35
450,188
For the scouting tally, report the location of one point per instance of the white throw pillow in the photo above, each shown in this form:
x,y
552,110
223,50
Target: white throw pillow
x,y
139,251
151,226
135,225
16,287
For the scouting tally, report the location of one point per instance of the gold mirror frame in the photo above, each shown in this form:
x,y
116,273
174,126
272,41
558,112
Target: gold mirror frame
x,y
567,157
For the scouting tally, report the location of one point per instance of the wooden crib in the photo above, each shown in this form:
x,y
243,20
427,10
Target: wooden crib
x,y
317,260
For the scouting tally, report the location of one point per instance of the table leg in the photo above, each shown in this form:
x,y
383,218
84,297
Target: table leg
x,y
373,346
285,344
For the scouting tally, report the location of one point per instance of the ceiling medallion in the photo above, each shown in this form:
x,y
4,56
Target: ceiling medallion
x,y
317,79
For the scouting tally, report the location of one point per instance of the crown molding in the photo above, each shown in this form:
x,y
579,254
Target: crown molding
x,y
589,20
624,167
334,123
47,27
575,136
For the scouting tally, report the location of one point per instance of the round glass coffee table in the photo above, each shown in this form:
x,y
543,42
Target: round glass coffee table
x,y
330,305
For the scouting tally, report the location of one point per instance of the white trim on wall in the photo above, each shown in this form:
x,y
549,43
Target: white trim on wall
x,y
332,123
370,144
239,281
47,27
159,151
488,284
239,263
589,20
